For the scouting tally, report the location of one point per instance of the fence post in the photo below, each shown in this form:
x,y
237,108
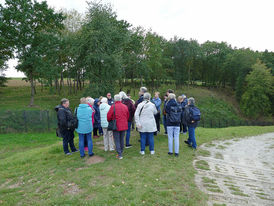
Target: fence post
x,y
25,120
48,119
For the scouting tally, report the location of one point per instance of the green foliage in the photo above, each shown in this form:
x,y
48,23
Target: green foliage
x,y
255,101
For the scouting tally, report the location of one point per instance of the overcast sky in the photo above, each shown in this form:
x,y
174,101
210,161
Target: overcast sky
x,y
241,23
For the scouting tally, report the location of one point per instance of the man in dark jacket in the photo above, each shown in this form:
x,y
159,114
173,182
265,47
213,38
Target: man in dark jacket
x,y
170,91
110,100
191,124
184,104
66,126
141,96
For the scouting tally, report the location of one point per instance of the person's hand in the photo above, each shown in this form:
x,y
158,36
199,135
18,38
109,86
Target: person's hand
x,y
192,121
139,126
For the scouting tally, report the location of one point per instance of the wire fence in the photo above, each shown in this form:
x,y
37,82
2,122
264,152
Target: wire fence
x,y
45,120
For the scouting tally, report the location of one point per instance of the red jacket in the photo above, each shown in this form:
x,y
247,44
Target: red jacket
x,y
121,115
93,113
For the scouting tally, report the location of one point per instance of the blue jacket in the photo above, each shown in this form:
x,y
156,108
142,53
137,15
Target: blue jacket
x,y
186,117
169,104
104,108
84,113
157,103
97,118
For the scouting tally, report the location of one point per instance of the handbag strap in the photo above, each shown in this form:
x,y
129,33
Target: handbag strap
x,y
143,108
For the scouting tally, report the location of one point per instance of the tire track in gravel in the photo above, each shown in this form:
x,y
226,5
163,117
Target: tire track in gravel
x,y
237,171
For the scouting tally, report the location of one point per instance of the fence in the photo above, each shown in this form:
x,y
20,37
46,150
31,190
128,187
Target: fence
x,y
42,121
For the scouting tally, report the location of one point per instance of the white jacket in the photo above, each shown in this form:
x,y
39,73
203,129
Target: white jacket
x,y
146,121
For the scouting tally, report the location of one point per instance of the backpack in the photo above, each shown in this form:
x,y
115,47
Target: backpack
x,y
74,120
194,114
175,115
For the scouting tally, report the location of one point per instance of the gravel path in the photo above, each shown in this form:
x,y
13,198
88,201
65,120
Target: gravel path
x,y
237,171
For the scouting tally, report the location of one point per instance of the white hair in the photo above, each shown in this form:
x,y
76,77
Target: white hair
x,y
143,89
191,100
90,100
117,97
104,100
171,96
123,95
147,96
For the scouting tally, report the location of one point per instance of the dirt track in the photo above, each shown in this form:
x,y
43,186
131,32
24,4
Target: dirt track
x,y
238,172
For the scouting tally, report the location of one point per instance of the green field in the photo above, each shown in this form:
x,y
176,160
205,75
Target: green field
x,y
34,171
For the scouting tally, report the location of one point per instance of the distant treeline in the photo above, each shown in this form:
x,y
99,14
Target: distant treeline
x,y
99,50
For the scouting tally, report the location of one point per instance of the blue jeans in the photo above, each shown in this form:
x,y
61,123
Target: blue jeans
x,y
147,136
81,144
164,123
173,132
128,133
191,134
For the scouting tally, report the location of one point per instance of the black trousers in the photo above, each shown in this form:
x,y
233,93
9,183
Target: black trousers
x,y
158,118
68,139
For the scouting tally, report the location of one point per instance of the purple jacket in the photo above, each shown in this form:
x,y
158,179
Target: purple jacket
x,y
131,108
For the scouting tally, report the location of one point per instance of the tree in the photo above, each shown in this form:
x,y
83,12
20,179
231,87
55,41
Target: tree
x,y
32,27
255,101
101,45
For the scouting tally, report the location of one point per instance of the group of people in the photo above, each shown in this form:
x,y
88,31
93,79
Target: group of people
x,y
113,118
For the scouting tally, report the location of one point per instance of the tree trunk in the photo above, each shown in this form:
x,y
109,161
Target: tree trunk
x,y
32,92
188,76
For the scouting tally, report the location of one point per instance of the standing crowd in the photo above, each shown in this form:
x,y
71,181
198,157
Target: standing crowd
x,y
114,119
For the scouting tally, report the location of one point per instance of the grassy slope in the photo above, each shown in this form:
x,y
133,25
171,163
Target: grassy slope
x,y
213,104
34,171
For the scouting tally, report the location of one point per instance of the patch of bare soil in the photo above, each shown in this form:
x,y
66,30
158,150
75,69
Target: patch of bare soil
x,y
95,160
243,176
71,189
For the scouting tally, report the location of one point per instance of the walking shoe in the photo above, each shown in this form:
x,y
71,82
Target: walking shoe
x,y
176,155
170,153
186,142
68,153
120,157
111,150
82,156
152,152
142,152
86,149
75,151
95,136
91,154
128,146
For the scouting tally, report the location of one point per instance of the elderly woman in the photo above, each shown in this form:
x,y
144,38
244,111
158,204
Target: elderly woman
x,y
131,108
121,115
173,121
84,114
145,122
97,120
191,118
108,135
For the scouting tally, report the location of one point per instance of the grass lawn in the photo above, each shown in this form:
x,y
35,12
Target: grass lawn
x,y
34,171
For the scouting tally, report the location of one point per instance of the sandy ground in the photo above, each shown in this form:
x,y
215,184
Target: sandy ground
x,y
241,171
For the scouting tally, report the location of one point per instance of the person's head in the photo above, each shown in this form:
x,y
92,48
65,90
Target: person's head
x,y
129,96
170,91
90,100
83,100
180,99
156,95
171,96
191,101
117,98
147,96
123,95
109,95
100,98
142,90
184,96
65,102
104,100
165,97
